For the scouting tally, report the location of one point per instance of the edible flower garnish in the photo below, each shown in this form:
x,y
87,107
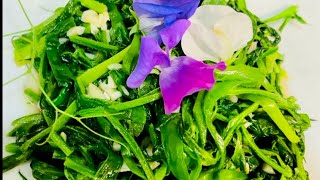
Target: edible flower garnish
x,y
155,15
166,21
216,32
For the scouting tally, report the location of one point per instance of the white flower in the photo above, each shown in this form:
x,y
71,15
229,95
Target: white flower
x,y
216,32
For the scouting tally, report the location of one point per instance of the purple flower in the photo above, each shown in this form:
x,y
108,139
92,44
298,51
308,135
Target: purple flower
x,y
155,15
184,77
181,76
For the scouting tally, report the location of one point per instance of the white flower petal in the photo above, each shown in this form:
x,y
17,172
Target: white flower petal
x,y
201,43
208,15
238,29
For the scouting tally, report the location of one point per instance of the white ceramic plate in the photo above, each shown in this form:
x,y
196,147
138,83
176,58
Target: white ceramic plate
x,y
300,45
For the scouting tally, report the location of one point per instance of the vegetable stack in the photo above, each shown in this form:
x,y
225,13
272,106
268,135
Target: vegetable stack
x,y
91,125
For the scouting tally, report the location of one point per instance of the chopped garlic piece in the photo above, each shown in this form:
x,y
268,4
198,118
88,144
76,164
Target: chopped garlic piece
x,y
63,40
95,92
149,150
90,16
116,146
77,30
104,27
251,115
268,169
93,29
154,164
124,90
111,82
108,35
253,47
107,97
103,18
90,55
124,168
103,86
110,90
95,20
271,38
114,66
247,124
63,136
233,99
116,95
247,168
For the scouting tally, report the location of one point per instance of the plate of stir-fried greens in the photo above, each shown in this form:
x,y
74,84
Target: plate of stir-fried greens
x,y
161,89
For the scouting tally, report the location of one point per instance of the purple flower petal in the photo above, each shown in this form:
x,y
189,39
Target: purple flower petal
x,y
172,3
150,55
189,8
172,35
168,20
168,10
221,66
183,8
184,77
154,10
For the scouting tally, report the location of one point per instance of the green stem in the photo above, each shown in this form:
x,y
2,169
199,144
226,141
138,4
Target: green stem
x,y
34,139
272,109
94,73
199,117
275,97
94,5
137,102
61,144
300,159
79,168
64,119
133,146
236,122
265,158
289,12
92,43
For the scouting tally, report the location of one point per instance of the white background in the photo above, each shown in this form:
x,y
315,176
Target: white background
x,y
300,44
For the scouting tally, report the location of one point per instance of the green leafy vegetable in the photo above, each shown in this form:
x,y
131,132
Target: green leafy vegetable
x,y
243,128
